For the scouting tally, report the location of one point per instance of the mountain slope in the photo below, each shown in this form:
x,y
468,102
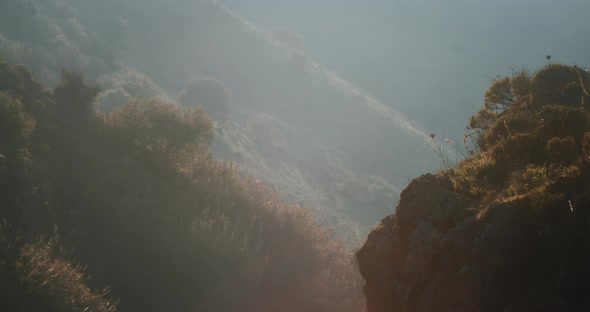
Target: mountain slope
x,y
333,147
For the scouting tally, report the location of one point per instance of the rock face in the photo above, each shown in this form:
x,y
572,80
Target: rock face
x,y
437,253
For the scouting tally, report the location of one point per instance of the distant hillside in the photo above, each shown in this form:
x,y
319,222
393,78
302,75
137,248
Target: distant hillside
x,y
317,139
506,229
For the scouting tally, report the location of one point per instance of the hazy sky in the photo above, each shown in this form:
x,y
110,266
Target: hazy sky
x,y
432,60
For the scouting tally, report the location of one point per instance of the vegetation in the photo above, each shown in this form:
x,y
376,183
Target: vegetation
x,y
530,135
151,49
131,201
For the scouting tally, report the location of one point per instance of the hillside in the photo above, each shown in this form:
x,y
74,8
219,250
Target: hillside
x,y
288,120
128,211
507,228
123,188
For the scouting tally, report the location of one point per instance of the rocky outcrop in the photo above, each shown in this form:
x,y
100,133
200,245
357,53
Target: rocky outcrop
x,y
438,253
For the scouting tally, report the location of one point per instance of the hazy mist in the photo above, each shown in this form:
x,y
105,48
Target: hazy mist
x,y
178,151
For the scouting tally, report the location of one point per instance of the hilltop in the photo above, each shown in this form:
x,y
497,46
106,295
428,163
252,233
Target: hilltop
x,y
507,228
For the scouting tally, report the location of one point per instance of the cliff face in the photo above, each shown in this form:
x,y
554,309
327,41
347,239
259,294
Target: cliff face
x,y
438,253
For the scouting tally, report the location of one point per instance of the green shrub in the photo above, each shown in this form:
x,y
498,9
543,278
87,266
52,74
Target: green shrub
x,y
15,125
561,121
559,84
562,150
504,94
517,151
508,125
532,130
477,176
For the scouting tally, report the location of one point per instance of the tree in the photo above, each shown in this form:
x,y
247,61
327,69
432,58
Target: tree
x,y
504,94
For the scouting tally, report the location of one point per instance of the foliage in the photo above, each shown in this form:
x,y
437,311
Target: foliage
x,y
562,85
18,82
135,198
562,149
502,94
532,131
157,127
74,101
15,124
49,283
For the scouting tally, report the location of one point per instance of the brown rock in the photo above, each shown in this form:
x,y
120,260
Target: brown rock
x,y
433,254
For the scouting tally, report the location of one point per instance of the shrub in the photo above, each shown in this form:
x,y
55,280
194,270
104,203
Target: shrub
x,y
504,93
74,101
532,131
157,127
477,176
519,150
19,84
15,125
562,150
35,278
509,125
559,84
560,121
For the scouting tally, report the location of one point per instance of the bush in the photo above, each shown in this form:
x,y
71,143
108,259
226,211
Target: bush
x,y
562,150
532,131
559,84
509,125
503,94
37,278
158,128
74,102
15,125
477,176
561,121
